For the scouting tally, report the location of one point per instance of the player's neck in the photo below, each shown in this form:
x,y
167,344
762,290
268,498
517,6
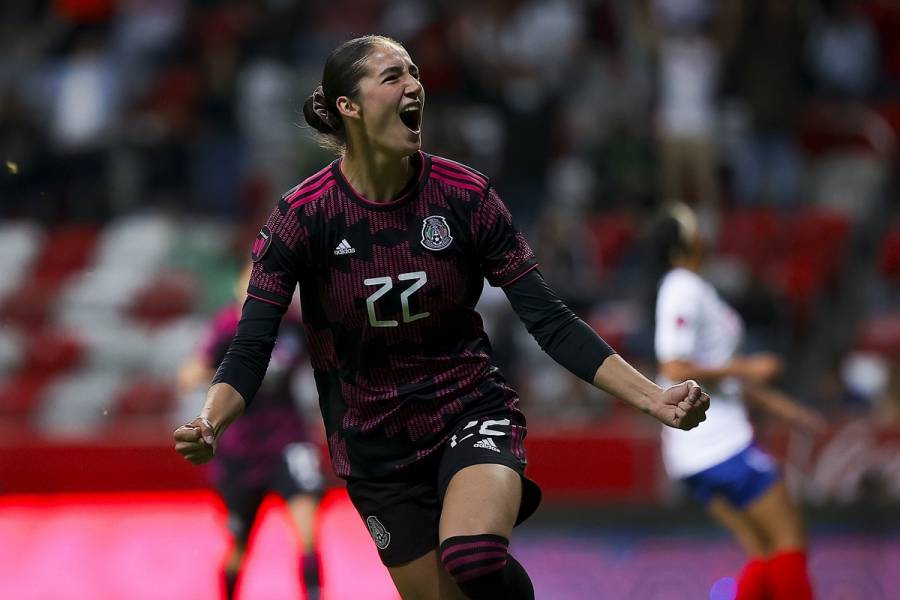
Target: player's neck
x,y
691,264
376,177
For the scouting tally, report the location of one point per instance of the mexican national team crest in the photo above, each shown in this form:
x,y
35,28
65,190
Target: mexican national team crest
x,y
379,533
436,233
261,244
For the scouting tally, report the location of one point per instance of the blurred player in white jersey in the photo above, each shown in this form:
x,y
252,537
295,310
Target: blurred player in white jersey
x,y
698,336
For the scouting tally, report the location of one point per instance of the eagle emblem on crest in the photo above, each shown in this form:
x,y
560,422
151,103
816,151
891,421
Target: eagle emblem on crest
x,y
436,233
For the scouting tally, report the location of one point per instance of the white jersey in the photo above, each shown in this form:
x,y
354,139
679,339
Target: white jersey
x,y
693,323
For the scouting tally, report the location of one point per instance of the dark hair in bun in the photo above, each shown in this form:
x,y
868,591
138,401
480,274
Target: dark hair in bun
x,y
344,67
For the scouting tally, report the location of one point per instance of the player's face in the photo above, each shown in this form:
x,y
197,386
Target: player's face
x,y
392,101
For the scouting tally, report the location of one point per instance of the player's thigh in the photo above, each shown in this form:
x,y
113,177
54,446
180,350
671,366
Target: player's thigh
x,y
481,498
299,480
778,518
424,578
748,537
303,509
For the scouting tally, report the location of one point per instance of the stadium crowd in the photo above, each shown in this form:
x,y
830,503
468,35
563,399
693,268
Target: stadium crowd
x,y
143,142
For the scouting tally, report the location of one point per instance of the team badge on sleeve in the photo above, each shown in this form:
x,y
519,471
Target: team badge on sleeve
x,y
436,233
261,244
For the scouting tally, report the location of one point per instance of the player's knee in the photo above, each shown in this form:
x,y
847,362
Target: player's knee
x,y
476,563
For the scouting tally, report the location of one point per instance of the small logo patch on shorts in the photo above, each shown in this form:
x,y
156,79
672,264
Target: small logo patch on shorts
x,y
378,532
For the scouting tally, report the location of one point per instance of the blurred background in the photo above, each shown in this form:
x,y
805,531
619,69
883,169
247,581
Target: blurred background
x,y
143,142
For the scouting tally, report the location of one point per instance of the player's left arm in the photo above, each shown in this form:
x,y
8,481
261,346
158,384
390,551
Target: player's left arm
x,y
785,407
576,346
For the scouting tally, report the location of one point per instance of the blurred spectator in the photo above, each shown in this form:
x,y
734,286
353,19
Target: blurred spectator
x,y
217,155
688,61
768,82
266,112
843,51
566,250
887,404
884,18
24,156
85,90
519,53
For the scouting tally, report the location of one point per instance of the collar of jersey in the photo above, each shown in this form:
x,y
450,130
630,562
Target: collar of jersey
x,y
420,163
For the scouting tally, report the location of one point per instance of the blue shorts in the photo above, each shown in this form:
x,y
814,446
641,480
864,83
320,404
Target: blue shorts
x,y
741,479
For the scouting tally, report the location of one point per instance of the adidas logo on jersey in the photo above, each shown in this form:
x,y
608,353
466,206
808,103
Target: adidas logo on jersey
x,y
486,443
344,248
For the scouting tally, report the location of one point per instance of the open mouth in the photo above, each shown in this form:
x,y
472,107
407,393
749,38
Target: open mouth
x,y
411,115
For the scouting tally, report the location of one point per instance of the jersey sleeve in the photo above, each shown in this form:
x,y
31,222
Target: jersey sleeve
x,y
275,258
678,320
502,249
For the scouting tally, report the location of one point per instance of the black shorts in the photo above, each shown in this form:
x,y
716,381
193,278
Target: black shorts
x,y
299,472
403,511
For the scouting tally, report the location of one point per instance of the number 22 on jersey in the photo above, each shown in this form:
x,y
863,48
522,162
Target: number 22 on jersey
x,y
419,279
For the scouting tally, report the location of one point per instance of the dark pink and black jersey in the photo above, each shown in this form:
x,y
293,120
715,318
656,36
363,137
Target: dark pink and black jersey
x,y
274,410
388,294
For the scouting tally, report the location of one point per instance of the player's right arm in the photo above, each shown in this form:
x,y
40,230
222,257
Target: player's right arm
x,y
272,283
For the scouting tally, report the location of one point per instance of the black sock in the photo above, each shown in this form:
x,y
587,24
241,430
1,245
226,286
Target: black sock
x,y
484,570
231,579
516,580
311,577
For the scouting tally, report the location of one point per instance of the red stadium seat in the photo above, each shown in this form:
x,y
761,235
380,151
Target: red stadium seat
x,y
825,128
166,297
753,236
881,334
890,112
19,395
68,248
29,306
49,352
814,245
889,256
145,397
613,234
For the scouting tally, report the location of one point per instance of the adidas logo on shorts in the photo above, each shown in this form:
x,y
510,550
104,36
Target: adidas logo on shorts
x,y
486,443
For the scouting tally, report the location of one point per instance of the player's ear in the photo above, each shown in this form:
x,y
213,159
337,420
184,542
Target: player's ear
x,y
347,107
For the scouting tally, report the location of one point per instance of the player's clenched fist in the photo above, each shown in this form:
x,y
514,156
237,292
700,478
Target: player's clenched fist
x,y
682,406
196,441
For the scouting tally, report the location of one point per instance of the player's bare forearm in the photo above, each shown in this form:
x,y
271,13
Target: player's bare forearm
x,y
623,381
682,406
784,407
223,405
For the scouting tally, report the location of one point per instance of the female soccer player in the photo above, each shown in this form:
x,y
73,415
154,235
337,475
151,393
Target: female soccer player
x,y
248,466
697,336
390,247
